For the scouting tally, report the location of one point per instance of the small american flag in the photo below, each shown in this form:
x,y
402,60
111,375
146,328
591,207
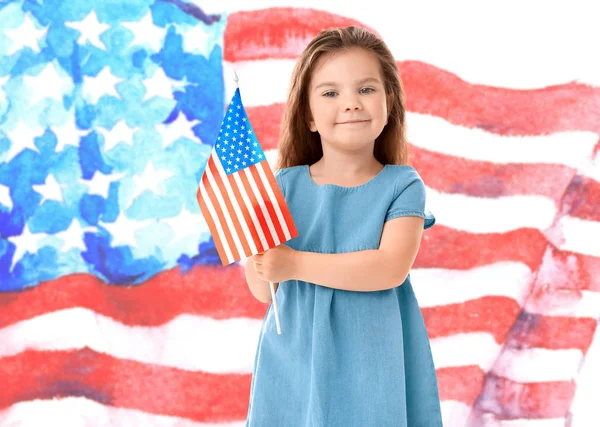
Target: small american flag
x,y
238,194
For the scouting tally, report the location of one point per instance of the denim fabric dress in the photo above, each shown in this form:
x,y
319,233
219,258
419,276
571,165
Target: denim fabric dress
x,y
345,358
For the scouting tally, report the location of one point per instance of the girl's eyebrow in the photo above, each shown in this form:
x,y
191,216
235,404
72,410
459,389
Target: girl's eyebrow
x,y
363,81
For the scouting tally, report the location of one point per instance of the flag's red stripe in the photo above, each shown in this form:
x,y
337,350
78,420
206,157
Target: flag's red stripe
x,y
268,204
444,247
217,206
265,34
240,201
120,383
491,314
256,206
512,400
229,206
212,226
289,221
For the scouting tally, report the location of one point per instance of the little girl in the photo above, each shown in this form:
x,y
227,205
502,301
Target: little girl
x,y
354,350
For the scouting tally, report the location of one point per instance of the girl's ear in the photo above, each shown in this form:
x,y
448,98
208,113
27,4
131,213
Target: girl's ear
x,y
311,123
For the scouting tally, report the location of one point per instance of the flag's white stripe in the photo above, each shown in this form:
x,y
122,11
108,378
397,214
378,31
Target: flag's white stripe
x,y
585,407
491,214
250,208
576,235
217,222
538,364
83,412
263,208
225,211
274,202
240,216
187,342
440,286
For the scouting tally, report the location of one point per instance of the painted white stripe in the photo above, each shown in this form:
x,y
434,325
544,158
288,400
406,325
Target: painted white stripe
x,y
82,412
263,208
454,413
585,403
225,211
538,364
440,286
274,202
482,350
187,342
240,216
218,225
491,214
576,235
490,420
567,302
559,60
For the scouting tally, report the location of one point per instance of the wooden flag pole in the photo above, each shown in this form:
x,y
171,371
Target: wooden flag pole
x,y
271,285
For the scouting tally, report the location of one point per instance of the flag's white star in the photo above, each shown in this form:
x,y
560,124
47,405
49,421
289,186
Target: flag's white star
x,y
50,190
146,33
5,197
21,137
100,85
73,236
3,81
186,225
25,242
150,180
25,35
90,29
48,84
180,128
119,133
158,85
100,183
67,133
123,230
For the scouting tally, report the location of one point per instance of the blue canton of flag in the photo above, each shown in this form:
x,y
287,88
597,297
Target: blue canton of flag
x,y
237,146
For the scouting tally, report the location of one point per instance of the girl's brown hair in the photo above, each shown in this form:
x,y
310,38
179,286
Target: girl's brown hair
x,y
297,144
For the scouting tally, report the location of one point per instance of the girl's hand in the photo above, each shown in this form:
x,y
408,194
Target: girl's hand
x,y
277,264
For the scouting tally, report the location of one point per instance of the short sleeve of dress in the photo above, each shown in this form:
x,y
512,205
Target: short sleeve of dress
x,y
410,198
279,178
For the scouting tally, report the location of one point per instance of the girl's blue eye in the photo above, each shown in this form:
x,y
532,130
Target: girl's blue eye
x,y
367,89
329,94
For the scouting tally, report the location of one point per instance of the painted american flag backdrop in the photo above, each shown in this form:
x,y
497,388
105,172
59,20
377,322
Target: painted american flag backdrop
x,y
115,309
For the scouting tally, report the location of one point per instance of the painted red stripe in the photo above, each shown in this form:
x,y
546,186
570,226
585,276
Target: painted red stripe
x,y
256,206
582,199
564,271
460,383
492,314
552,332
277,32
511,400
123,383
444,247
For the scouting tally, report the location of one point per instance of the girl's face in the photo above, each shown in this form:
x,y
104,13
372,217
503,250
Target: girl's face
x,y
347,99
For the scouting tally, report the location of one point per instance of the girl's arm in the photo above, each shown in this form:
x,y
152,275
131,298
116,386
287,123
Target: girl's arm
x,y
259,288
368,270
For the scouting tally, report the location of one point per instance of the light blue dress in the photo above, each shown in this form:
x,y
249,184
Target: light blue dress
x,y
345,359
